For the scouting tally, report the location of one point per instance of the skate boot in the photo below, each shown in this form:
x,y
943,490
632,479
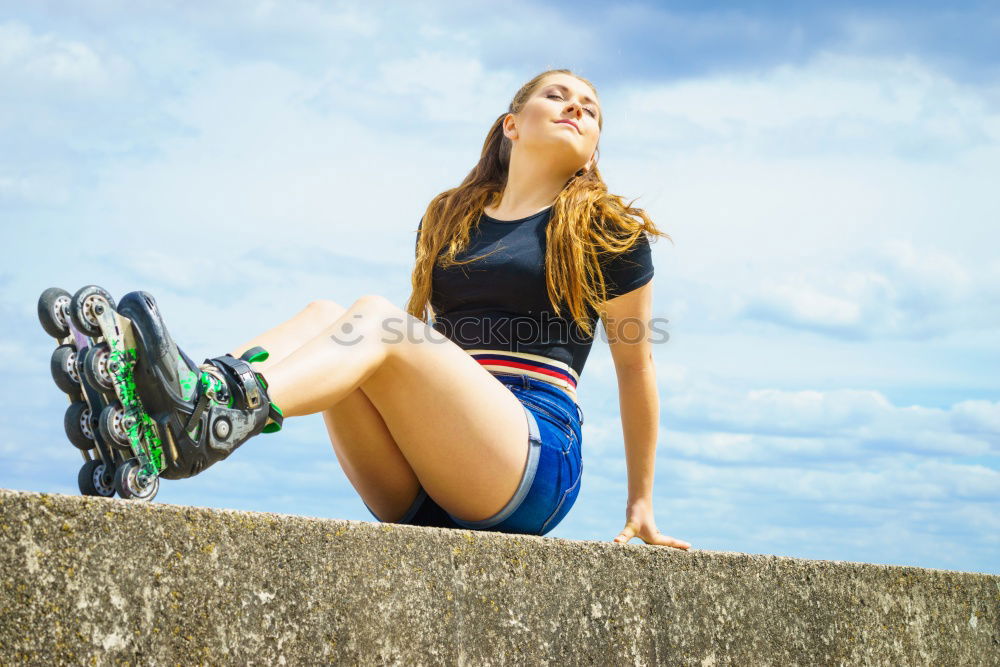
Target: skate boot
x,y
202,413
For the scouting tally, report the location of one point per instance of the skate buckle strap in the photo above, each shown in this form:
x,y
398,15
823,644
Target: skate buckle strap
x,y
274,414
207,392
242,373
198,408
248,385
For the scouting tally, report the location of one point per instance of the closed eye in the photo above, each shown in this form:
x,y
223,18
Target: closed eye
x,y
559,97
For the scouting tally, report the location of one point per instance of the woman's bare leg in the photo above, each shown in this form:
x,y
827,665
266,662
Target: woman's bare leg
x,y
361,441
463,433
293,333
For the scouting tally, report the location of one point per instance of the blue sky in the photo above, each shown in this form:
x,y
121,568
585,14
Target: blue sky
x,y
827,175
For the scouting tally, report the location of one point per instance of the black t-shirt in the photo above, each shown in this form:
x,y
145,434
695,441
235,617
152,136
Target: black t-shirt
x,y
500,302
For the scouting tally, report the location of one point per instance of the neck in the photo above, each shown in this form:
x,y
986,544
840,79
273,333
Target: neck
x,y
532,185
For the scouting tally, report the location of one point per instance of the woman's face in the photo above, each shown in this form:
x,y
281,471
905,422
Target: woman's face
x,y
560,120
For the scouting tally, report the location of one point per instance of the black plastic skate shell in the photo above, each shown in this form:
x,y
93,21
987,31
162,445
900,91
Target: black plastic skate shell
x,y
200,422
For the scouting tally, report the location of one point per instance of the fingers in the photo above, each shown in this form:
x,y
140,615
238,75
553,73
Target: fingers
x,y
631,530
627,533
668,541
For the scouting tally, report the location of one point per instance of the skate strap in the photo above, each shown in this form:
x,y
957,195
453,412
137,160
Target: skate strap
x,y
198,408
274,414
250,386
245,380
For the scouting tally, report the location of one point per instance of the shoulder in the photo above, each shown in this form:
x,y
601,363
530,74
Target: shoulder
x,y
625,247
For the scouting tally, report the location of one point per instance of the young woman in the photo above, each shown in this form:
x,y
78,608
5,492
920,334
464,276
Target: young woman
x,y
461,410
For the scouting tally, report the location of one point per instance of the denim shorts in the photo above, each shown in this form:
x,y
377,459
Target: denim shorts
x,y
551,480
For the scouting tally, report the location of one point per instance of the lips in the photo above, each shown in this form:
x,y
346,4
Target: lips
x,y
569,122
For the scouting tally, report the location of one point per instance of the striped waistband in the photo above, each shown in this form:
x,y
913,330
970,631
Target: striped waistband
x,y
534,366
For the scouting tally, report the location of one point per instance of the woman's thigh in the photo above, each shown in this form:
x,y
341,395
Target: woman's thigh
x,y
370,458
363,445
462,431
552,483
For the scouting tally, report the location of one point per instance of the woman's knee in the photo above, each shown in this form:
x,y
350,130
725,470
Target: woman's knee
x,y
375,304
388,322
324,311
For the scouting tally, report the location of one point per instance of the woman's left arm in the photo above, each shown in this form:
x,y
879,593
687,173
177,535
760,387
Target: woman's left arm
x,y
629,327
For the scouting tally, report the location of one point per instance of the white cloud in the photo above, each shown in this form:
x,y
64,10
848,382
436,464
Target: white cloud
x,y
315,19
764,423
895,290
448,89
887,483
29,59
834,103
844,196
977,417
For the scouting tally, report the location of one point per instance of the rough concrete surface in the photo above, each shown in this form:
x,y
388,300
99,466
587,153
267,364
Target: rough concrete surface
x,y
102,581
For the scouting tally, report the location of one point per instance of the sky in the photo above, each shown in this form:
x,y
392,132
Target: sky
x,y
827,175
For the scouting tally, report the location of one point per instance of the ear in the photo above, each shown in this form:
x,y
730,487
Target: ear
x,y
590,162
509,126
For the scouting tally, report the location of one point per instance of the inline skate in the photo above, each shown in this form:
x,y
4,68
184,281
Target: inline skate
x,y
139,407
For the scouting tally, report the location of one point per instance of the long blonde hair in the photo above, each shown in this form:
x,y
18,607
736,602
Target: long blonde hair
x,y
586,226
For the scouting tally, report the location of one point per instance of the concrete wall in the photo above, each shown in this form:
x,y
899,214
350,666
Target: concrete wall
x,y
85,579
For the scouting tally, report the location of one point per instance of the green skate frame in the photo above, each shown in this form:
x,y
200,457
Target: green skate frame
x,y
143,436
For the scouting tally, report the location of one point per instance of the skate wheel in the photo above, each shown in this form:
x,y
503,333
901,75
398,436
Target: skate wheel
x,y
111,427
63,367
79,425
96,479
94,366
53,309
83,308
127,482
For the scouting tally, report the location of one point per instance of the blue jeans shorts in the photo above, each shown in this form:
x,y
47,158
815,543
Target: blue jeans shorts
x,y
551,480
